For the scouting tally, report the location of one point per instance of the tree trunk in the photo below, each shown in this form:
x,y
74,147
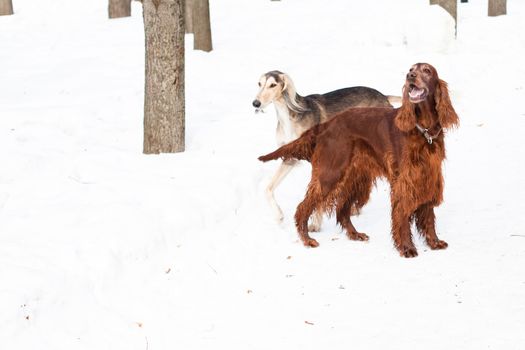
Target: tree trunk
x,y
164,91
119,8
451,6
188,15
201,26
6,7
497,7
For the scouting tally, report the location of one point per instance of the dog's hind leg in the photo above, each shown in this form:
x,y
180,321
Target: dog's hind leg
x,y
277,178
351,197
425,223
343,212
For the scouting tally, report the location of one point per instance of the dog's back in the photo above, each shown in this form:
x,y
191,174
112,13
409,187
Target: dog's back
x,y
337,101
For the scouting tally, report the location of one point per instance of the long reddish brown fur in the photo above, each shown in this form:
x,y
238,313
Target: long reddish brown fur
x,y
349,152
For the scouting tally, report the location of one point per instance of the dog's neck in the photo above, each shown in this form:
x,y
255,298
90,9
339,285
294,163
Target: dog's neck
x,y
295,104
282,110
427,122
285,129
426,115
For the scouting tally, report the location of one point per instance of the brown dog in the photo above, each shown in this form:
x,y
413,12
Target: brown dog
x,y
405,146
296,114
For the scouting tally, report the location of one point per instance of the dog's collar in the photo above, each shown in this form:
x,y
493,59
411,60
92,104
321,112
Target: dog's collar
x,y
425,133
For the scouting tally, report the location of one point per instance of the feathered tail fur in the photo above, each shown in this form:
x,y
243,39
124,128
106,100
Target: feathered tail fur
x,y
301,149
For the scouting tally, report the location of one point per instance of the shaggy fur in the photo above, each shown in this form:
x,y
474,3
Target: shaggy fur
x,y
405,146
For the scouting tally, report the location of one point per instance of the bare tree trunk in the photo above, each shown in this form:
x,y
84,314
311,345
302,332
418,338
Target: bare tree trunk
x,y
164,91
451,6
201,26
119,8
6,7
188,15
497,7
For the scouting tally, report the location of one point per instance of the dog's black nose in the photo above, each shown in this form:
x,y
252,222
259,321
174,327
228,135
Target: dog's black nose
x,y
256,103
411,75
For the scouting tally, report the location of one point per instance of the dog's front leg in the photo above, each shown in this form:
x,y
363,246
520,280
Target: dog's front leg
x,y
401,231
281,173
425,223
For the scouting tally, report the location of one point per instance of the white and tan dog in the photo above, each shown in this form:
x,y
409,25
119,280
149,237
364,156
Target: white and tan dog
x,y
296,114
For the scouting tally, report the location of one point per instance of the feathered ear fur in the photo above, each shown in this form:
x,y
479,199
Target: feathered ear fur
x,y
289,94
406,116
446,114
288,85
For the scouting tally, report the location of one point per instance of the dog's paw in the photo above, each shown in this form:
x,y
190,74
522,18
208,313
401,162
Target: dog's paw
x,y
310,242
357,236
408,251
437,244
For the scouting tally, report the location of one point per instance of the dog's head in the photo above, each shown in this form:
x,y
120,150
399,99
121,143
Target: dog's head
x,y
421,82
273,86
424,90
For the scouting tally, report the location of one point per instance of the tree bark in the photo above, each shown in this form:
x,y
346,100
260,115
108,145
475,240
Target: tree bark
x,y
497,7
164,108
188,15
6,7
201,26
119,8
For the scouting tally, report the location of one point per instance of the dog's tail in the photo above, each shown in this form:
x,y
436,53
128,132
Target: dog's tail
x,y
302,148
394,100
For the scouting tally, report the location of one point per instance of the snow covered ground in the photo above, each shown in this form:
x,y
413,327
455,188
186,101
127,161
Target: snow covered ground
x,y
102,247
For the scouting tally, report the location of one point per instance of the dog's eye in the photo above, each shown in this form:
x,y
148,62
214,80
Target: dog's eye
x,y
259,84
273,85
426,70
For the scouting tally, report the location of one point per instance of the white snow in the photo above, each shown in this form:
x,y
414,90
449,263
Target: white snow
x,y
102,247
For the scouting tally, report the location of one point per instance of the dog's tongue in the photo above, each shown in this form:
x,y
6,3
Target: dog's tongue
x,y
416,93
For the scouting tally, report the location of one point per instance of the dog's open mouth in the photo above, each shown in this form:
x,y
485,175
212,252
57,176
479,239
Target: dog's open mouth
x,y
417,94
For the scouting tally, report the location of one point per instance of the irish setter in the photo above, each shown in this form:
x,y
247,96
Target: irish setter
x,y
405,145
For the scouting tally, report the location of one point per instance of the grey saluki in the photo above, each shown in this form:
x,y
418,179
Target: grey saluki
x,y
296,114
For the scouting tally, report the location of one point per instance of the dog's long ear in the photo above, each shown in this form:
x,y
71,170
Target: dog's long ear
x,y
290,94
446,114
288,86
406,116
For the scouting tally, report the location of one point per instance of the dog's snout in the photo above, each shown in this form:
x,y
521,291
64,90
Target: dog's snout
x,y
411,75
256,103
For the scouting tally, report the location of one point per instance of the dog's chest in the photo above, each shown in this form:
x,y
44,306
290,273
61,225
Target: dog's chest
x,y
423,171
